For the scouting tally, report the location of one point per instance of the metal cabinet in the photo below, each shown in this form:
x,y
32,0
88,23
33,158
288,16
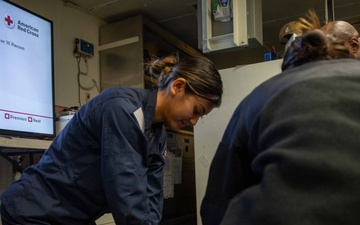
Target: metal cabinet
x,y
124,45
244,29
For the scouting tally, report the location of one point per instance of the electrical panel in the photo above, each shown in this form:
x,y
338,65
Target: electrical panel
x,y
83,47
232,23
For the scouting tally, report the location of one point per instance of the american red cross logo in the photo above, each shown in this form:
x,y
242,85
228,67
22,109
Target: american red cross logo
x,y
9,22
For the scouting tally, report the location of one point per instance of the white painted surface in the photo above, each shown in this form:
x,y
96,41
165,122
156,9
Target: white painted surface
x,y
238,82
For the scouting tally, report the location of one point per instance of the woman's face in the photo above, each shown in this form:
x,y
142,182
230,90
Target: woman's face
x,y
185,109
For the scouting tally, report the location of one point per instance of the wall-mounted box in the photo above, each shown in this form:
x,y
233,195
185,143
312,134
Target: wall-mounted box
x,y
86,48
243,30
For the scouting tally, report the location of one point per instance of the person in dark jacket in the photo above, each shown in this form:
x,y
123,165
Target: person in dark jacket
x,y
110,156
290,153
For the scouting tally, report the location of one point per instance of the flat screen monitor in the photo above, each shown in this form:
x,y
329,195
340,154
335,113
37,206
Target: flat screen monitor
x,y
27,106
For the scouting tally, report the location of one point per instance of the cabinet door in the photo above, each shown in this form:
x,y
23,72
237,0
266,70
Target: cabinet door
x,y
121,54
122,66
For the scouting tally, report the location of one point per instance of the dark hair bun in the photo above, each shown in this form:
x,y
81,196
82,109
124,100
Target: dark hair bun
x,y
311,46
314,44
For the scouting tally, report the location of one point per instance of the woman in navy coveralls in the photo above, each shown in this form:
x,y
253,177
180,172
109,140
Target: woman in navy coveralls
x,y
110,156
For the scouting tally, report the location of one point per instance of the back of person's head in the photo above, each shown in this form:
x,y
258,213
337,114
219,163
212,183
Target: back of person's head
x,y
341,30
345,32
313,44
202,77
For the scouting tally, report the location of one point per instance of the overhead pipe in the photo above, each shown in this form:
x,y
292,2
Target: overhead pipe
x,y
329,11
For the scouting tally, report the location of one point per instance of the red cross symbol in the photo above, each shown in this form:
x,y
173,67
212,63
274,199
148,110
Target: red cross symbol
x,y
8,20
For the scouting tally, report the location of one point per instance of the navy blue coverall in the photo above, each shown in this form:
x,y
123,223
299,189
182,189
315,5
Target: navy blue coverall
x,y
108,158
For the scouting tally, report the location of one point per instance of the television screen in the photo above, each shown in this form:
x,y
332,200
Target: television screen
x,y
26,73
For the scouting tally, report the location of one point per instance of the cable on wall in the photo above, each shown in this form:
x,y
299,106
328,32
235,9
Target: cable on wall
x,y
82,55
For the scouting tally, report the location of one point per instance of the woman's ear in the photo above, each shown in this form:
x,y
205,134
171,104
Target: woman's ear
x,y
178,85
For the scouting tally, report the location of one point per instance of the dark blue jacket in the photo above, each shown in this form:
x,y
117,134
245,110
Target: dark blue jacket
x,y
104,160
290,154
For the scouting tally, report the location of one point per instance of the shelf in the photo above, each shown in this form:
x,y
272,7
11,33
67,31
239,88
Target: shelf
x,y
24,143
11,146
